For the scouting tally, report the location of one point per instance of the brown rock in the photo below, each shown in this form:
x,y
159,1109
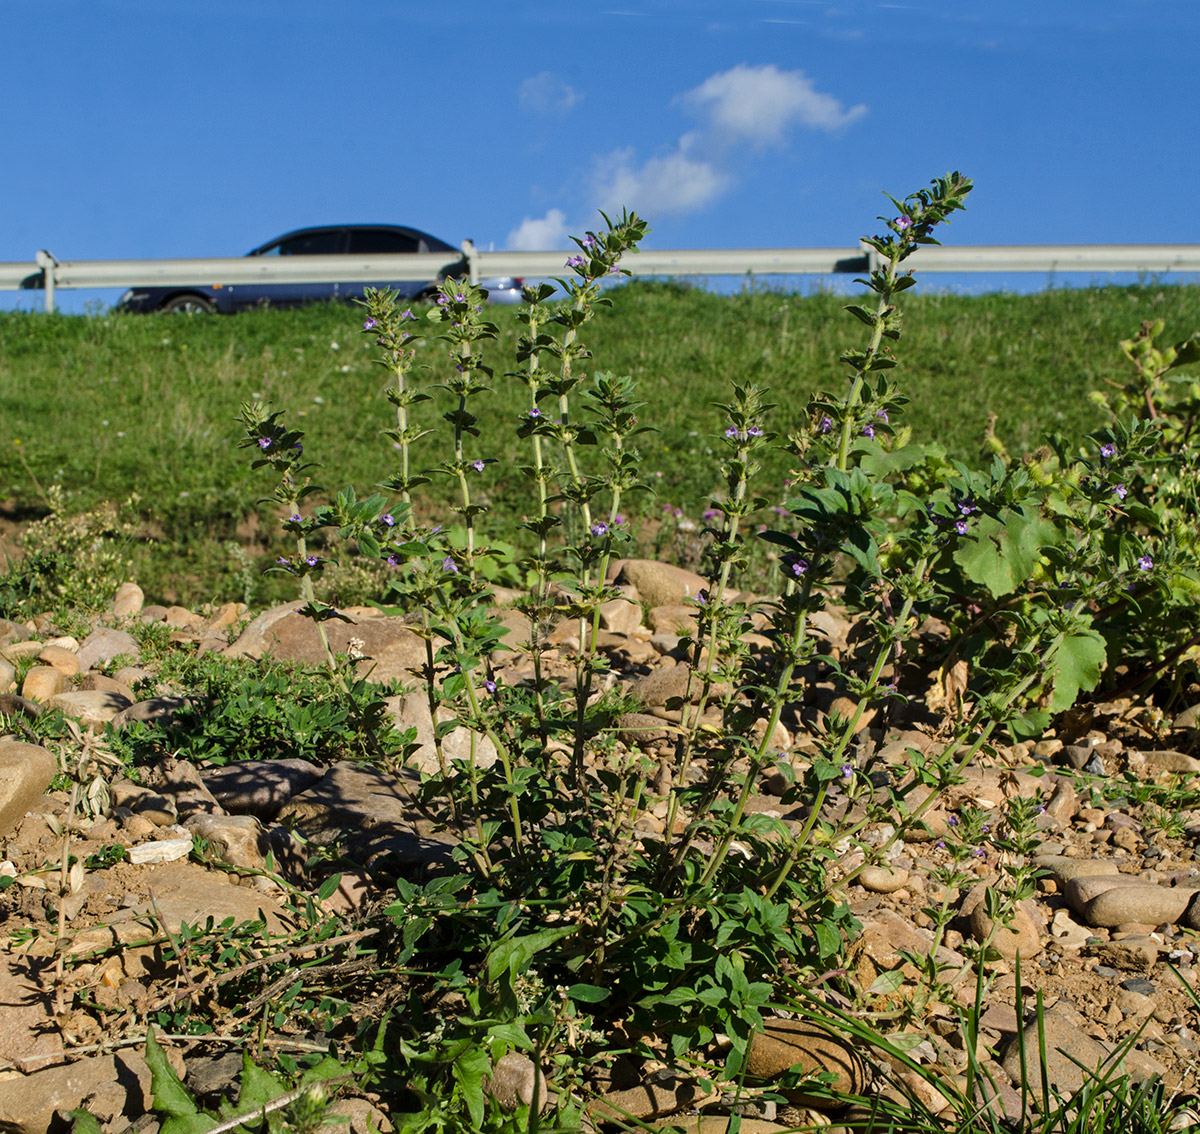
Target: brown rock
x,y
108,1086
89,706
43,682
1136,953
66,661
661,584
1020,937
1063,869
787,1043
389,648
515,1080
1065,1044
1083,888
411,710
260,787
128,601
25,773
105,644
641,730
883,879
29,1035
1149,905
237,840
649,1101
673,618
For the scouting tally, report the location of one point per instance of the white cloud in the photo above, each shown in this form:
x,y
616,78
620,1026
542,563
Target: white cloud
x,y
539,234
740,110
546,93
675,182
759,105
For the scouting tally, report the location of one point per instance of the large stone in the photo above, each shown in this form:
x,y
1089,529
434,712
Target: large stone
x,y
661,584
1145,905
29,1035
646,1102
620,615
67,661
43,682
376,809
105,644
237,840
260,787
1067,1048
89,706
12,632
1062,869
1084,887
25,773
515,1081
128,601
388,648
187,893
788,1043
163,711
108,1086
411,710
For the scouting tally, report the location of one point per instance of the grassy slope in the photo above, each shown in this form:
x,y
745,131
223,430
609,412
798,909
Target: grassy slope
x,y
107,406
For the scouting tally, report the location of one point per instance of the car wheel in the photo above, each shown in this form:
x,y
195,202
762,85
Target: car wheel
x,y
188,305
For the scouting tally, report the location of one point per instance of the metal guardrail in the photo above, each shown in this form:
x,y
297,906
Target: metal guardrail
x,y
47,273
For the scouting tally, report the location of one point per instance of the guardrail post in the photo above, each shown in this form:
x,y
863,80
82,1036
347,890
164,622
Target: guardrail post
x,y
47,263
472,255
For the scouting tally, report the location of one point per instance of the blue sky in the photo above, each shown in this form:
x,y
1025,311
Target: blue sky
x,y
153,128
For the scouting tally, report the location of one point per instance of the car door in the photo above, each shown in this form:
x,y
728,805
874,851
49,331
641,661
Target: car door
x,y
313,242
367,241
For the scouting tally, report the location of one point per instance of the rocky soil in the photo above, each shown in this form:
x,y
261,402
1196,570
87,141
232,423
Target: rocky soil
x,y
1109,942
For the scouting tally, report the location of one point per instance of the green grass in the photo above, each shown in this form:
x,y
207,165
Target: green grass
x,y
110,405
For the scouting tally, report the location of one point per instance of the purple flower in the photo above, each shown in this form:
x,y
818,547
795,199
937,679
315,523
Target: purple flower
x,y
825,425
619,518
702,598
847,771
1120,492
388,519
1145,563
459,297
903,223
535,412
407,314
442,301
882,415
294,518
311,560
282,561
754,431
940,843
298,447
392,561
952,821
370,323
575,262
490,686
978,852
868,431
1108,449
731,433
589,242
961,527
709,514
477,465
448,564
795,565
599,528
265,443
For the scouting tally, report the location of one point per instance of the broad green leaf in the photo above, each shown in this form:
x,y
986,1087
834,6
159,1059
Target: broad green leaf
x,y
886,983
469,1070
170,1095
1001,554
1078,663
516,953
84,1123
588,993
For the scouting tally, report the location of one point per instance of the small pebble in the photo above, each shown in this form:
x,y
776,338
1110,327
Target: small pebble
x,y
1137,984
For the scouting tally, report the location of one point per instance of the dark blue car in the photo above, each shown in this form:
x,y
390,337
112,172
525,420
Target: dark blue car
x,y
328,240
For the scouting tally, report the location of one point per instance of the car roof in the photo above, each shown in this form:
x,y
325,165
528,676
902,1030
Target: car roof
x,y
435,243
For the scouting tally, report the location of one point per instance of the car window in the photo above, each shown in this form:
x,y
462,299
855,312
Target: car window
x,y
381,242
310,244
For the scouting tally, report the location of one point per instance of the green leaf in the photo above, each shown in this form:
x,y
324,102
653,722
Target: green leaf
x,y
1078,663
886,983
469,1070
170,1095
1002,553
256,1089
829,941
328,887
515,953
84,1123
588,993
